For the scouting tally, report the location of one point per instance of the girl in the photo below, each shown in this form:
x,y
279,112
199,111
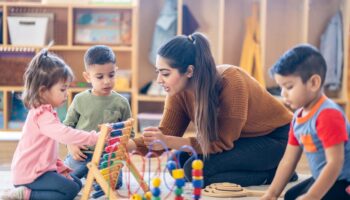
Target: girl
x,y
37,172
240,138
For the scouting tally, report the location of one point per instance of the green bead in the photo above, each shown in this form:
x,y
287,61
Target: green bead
x,y
155,198
178,191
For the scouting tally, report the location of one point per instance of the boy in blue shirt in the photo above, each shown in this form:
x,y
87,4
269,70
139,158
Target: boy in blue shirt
x,y
95,106
319,129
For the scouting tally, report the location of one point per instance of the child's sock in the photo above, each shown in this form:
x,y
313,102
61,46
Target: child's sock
x,y
18,193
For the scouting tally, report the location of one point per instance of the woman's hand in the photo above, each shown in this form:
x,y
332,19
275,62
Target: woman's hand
x,y
150,134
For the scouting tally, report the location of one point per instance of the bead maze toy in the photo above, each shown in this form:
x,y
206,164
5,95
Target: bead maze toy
x,y
105,170
179,176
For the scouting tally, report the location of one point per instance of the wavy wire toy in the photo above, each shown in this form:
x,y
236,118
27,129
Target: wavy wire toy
x,y
111,155
177,173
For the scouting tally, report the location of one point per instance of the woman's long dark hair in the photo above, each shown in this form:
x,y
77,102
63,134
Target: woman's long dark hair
x,y
183,51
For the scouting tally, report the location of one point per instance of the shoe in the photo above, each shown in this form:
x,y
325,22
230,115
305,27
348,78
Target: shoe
x,y
18,193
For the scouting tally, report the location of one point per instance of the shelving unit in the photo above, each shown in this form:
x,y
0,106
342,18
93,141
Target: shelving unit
x,y
67,47
283,24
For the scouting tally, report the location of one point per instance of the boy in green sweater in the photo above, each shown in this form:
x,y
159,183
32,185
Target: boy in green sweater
x,y
95,106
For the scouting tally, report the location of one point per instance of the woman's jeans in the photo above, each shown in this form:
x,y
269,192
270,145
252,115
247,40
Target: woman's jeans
x,y
252,161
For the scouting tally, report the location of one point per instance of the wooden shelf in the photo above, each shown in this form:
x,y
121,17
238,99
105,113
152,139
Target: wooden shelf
x,y
11,88
58,5
66,47
63,47
148,98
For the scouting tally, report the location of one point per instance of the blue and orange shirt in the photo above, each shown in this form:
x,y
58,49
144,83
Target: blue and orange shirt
x,y
324,126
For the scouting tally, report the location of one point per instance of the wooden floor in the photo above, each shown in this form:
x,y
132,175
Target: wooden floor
x,y
7,149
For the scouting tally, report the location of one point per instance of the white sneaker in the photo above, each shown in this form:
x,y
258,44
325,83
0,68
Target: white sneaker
x,y
18,193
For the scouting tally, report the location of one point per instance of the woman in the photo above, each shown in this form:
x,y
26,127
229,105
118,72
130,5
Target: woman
x,y
241,130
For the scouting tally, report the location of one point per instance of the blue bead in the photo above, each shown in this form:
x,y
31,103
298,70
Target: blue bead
x,y
118,125
116,133
197,183
98,194
156,191
171,165
180,182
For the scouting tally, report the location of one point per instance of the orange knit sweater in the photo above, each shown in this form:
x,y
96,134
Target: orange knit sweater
x,y
245,110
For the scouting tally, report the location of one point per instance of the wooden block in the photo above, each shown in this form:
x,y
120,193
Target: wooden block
x,y
226,190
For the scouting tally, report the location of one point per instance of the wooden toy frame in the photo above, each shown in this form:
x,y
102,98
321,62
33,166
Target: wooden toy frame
x,y
107,177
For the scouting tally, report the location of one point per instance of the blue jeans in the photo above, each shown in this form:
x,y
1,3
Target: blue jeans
x,y
337,191
52,185
252,161
80,169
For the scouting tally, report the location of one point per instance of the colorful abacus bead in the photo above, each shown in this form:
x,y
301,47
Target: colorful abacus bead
x,y
171,165
197,178
136,197
197,164
148,195
155,190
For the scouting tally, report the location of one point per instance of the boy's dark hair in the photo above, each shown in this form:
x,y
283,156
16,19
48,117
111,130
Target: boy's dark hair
x,y
303,60
99,54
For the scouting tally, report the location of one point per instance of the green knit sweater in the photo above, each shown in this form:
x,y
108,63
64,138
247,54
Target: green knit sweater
x,y
87,111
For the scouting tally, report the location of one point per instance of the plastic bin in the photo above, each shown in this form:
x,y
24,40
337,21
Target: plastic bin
x,y
28,30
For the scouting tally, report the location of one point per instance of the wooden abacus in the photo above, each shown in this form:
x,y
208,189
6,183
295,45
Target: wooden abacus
x,y
117,155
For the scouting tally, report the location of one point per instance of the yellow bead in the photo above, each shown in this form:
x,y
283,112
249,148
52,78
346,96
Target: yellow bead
x,y
178,173
197,177
148,195
156,182
136,197
197,164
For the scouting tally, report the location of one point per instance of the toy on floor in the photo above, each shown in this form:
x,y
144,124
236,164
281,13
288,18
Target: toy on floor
x,y
178,174
106,170
230,190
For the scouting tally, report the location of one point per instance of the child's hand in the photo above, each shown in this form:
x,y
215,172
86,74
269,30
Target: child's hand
x,y
150,134
130,146
67,175
76,152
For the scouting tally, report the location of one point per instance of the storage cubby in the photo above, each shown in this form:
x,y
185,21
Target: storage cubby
x,y
66,45
282,25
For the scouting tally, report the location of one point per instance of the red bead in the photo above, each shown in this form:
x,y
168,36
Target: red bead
x,y
179,198
197,191
197,172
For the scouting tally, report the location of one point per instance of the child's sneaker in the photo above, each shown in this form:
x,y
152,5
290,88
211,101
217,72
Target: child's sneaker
x,y
18,193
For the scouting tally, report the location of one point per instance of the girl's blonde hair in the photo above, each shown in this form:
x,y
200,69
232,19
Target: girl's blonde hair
x,y
45,69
